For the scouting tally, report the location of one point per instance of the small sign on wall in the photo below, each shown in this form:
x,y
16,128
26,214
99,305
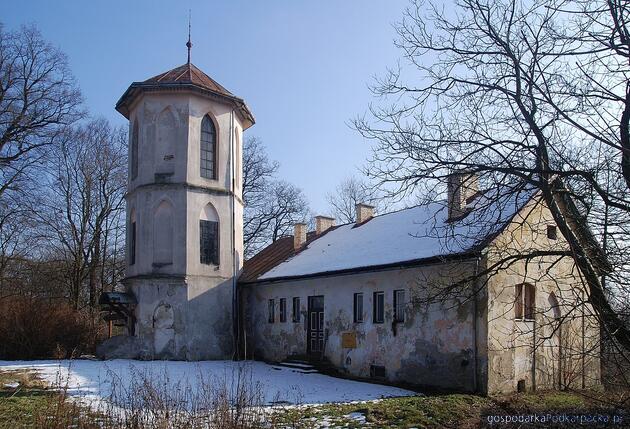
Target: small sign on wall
x,y
349,340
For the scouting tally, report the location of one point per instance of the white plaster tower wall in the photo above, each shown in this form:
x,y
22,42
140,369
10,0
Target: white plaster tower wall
x,y
185,307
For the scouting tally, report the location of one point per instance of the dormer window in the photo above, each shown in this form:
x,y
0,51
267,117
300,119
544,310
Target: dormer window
x,y
208,148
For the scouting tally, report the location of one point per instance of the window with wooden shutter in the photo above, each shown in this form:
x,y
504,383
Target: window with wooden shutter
x,y
525,301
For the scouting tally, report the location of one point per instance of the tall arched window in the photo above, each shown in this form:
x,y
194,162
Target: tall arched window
x,y
524,307
209,236
132,237
134,150
208,148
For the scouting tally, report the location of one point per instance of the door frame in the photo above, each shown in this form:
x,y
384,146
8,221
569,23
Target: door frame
x,y
318,312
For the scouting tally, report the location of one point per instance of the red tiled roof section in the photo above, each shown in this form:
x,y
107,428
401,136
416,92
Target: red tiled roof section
x,y
272,255
266,259
189,74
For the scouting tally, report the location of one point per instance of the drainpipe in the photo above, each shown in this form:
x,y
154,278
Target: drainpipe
x,y
235,307
475,346
535,324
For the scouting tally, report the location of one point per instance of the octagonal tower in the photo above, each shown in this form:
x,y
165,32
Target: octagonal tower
x,y
184,212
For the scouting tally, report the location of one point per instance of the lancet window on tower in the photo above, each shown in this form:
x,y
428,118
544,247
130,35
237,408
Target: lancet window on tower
x,y
208,148
209,236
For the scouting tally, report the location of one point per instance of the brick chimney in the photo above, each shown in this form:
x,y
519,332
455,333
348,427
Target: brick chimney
x,y
323,223
460,187
299,235
364,212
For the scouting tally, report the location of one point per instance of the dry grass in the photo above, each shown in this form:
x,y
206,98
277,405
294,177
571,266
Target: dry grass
x,y
235,401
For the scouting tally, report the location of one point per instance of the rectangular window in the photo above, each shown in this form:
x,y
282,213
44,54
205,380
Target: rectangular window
x,y
358,308
209,242
378,315
283,310
296,309
399,305
272,311
524,305
552,232
132,244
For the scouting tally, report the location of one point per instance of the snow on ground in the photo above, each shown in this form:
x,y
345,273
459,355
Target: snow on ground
x,y
92,380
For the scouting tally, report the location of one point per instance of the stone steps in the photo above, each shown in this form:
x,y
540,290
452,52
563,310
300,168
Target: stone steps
x,y
303,367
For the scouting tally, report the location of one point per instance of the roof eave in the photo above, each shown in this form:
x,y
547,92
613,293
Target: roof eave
x,y
400,264
136,88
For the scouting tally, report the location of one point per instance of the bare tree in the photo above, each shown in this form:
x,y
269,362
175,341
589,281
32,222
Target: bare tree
x,y
351,191
524,94
79,213
38,100
272,207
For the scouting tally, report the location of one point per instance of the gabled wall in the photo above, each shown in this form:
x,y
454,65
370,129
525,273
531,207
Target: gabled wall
x,y
543,352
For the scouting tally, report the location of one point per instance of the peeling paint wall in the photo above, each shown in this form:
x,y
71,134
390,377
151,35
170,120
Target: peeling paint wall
x,y
435,346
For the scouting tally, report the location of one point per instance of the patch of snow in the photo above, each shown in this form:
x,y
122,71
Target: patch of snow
x,y
357,417
91,381
406,235
12,385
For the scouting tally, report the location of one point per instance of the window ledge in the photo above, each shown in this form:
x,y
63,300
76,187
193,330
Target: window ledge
x,y
524,320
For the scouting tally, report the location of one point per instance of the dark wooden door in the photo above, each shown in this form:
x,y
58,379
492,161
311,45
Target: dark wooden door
x,y
315,331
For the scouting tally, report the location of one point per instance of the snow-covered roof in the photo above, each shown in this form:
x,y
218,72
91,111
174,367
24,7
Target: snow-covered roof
x,y
407,235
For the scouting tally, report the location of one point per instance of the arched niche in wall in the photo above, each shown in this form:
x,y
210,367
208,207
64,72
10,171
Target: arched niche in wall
x,y
238,154
554,306
166,139
134,149
209,213
163,234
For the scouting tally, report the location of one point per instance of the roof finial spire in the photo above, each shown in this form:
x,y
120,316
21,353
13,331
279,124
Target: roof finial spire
x,y
189,43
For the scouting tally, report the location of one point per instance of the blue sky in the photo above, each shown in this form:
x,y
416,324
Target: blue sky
x,y
302,66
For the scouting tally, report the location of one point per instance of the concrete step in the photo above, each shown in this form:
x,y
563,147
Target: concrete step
x,y
280,367
296,365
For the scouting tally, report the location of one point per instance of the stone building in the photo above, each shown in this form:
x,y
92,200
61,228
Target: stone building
x,y
434,295
438,295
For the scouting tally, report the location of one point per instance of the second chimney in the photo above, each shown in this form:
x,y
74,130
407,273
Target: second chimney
x,y
299,235
323,223
364,212
461,186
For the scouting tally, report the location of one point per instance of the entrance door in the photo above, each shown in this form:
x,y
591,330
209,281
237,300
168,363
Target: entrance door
x,y
315,332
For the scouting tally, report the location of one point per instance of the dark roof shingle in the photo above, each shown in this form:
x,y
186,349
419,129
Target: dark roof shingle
x,y
189,74
184,77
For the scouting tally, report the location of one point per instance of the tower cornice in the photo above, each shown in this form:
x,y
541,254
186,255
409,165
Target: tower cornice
x,y
210,190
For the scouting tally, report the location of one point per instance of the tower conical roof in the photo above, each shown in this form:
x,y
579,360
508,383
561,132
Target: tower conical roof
x,y
184,77
189,74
